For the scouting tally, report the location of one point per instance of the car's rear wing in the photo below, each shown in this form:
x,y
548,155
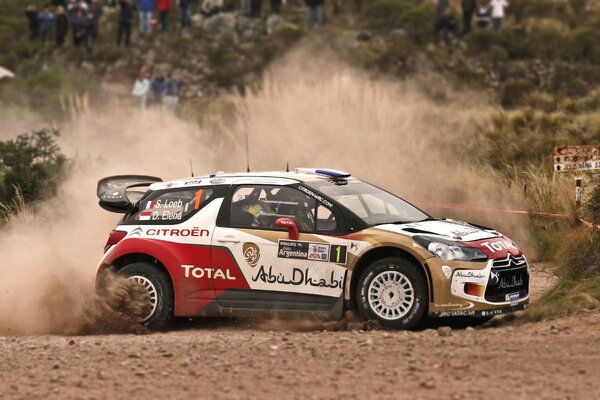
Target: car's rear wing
x,y
115,194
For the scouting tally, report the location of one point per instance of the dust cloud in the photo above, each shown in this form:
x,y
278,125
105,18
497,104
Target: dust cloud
x,y
396,135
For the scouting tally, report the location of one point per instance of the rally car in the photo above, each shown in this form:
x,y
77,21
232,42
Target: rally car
x,y
311,241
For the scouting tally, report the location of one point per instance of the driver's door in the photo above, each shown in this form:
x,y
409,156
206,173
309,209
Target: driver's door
x,y
280,272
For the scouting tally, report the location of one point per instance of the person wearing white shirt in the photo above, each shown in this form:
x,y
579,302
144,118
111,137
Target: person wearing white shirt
x,y
498,7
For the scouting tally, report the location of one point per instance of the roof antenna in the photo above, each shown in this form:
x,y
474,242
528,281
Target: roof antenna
x,y
287,167
246,134
191,168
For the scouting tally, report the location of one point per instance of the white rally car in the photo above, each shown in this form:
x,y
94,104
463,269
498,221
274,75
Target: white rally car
x,y
313,241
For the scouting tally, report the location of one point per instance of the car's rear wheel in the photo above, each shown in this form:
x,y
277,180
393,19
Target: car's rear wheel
x,y
158,313
393,292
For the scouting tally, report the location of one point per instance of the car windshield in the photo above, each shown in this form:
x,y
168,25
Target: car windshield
x,y
373,205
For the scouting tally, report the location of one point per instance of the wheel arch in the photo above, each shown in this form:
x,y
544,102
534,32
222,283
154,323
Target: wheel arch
x,y
377,254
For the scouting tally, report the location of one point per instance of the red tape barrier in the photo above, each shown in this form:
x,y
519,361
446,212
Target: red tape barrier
x,y
517,212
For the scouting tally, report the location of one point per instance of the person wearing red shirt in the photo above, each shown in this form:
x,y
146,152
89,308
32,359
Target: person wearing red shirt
x,y
163,13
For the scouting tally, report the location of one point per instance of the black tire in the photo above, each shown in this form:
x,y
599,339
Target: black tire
x,y
410,314
162,316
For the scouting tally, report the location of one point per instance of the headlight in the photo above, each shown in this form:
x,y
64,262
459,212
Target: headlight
x,y
449,250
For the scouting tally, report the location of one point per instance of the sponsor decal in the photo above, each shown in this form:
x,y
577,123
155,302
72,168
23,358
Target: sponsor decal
x,y
499,246
508,284
195,231
464,306
314,195
193,182
324,252
456,313
447,271
469,274
353,246
145,216
210,273
251,253
217,181
136,232
513,297
299,277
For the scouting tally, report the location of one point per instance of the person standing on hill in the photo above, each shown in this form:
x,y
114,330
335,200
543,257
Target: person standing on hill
x,y
468,8
442,6
246,8
96,9
163,13
315,13
125,21
62,26
90,32
33,19
78,27
185,9
46,24
146,8
141,87
498,7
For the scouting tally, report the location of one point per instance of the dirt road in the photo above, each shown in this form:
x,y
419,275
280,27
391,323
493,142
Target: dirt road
x,y
557,359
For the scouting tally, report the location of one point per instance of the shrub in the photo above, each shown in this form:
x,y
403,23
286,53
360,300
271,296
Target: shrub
x,y
585,45
417,21
548,44
514,91
383,14
32,163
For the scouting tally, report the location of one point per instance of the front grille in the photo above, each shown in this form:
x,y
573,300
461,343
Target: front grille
x,y
510,261
507,279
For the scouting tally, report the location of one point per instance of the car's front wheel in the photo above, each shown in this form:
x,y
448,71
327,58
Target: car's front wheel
x,y
393,292
158,312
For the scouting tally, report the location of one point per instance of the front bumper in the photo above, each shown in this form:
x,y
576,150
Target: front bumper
x,y
481,289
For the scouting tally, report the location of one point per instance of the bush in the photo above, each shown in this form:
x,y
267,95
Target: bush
x,y
32,164
418,23
548,44
585,45
384,14
514,91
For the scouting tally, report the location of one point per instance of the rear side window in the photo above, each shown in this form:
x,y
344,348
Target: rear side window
x,y
171,207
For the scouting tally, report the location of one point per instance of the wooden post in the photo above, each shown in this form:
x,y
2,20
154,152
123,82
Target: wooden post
x,y
578,190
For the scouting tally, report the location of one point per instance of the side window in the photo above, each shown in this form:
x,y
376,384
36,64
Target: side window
x,y
173,206
326,221
261,206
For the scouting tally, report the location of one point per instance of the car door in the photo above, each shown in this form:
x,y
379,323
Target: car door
x,y
281,270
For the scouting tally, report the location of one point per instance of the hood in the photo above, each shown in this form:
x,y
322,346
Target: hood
x,y
447,229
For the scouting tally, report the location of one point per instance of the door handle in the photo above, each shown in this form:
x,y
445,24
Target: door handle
x,y
228,239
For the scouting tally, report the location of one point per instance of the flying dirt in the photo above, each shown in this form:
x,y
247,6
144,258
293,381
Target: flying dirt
x,y
390,133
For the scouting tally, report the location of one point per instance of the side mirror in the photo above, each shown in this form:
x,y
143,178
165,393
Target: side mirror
x,y
290,225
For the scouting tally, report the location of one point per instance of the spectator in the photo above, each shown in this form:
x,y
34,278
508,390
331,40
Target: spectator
x,y
315,13
158,88
57,3
141,87
46,24
96,9
483,17
246,8
146,7
125,20
211,7
163,13
185,7
62,26
468,8
78,27
498,7
90,32
442,6
171,97
255,8
33,19
448,27
276,6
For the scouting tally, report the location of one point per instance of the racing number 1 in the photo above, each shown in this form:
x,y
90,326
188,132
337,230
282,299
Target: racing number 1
x,y
198,199
338,254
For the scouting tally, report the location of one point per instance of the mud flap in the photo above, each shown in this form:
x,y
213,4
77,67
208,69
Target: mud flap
x,y
338,310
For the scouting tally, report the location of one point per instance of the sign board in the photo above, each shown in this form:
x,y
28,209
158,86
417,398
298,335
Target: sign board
x,y
576,158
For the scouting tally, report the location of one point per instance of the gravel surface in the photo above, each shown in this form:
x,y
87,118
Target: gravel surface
x,y
224,359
